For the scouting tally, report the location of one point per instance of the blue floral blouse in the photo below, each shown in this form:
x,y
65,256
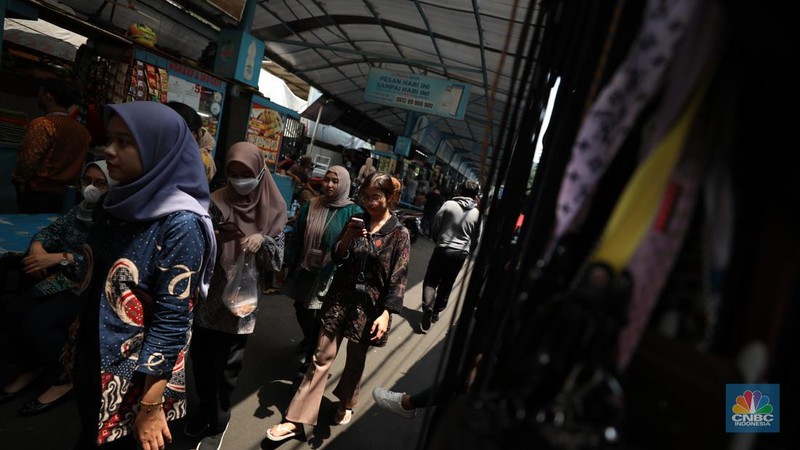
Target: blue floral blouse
x,y
66,234
140,301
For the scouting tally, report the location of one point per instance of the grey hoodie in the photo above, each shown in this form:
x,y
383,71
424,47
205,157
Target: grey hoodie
x,y
457,225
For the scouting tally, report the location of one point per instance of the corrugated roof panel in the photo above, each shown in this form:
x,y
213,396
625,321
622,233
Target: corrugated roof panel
x,y
333,45
398,11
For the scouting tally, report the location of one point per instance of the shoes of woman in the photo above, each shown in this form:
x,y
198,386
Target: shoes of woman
x,y
343,416
284,430
7,396
35,407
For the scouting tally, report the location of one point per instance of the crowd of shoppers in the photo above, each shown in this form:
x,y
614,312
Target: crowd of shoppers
x,y
137,278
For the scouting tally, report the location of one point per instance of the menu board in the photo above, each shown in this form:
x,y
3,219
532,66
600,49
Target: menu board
x,y
265,130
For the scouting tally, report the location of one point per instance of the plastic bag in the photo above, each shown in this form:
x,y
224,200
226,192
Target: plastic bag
x,y
241,293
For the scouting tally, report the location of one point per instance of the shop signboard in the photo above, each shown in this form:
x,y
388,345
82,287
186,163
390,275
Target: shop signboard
x,y
445,151
239,56
402,146
201,91
414,92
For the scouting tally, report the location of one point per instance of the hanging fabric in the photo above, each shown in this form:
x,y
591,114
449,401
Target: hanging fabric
x,y
612,116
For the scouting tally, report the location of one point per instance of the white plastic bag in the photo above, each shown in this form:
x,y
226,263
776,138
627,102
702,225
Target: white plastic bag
x,y
241,293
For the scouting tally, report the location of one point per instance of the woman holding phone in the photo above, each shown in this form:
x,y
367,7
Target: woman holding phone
x,y
368,286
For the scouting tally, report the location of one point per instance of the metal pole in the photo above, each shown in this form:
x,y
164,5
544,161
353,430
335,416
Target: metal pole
x,y
314,134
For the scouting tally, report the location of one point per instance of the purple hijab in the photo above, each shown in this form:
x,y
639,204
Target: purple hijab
x,y
173,177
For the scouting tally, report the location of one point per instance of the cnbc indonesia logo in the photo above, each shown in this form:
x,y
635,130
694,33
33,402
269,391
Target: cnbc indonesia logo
x,y
753,411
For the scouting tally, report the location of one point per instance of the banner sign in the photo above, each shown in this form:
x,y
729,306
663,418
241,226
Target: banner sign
x,y
402,146
239,56
437,96
184,71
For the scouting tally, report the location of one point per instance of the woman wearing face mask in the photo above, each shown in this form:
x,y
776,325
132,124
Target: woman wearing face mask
x,y
37,322
254,214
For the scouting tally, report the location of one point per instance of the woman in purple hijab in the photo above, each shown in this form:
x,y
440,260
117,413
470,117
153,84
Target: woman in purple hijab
x,y
149,251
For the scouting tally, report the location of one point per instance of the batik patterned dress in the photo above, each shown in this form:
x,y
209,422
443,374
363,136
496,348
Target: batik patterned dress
x,y
139,310
383,259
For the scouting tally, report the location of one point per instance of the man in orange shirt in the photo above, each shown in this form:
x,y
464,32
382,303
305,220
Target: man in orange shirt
x,y
52,152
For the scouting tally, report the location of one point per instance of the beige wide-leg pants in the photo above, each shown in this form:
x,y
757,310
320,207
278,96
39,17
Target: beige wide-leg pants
x,y
304,407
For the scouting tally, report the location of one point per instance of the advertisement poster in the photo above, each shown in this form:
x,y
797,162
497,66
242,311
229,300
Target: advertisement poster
x,y
265,130
442,97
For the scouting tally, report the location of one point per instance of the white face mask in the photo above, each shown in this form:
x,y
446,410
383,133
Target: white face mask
x,y
91,194
244,186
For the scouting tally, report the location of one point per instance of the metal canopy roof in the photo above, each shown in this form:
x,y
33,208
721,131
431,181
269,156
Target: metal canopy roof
x,y
332,45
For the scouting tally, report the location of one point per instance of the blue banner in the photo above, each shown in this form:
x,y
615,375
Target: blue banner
x,y
438,96
402,146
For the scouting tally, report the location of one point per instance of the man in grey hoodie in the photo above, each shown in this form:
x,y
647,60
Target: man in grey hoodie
x,y
455,230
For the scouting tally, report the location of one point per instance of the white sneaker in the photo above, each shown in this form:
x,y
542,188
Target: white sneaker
x,y
391,401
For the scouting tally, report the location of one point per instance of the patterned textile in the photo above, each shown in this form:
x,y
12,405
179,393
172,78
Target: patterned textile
x,y
384,261
613,114
51,154
145,279
66,234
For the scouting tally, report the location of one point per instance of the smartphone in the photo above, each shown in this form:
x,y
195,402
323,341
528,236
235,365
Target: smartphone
x,y
358,221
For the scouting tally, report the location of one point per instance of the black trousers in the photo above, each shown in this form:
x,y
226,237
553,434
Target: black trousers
x,y
216,360
37,329
440,276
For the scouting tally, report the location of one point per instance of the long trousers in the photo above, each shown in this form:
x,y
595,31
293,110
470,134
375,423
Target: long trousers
x,y
440,276
217,360
37,329
304,407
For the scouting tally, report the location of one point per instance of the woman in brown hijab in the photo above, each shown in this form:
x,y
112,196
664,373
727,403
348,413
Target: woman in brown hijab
x,y
249,215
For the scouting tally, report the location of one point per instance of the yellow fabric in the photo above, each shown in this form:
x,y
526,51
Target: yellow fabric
x,y
639,203
208,164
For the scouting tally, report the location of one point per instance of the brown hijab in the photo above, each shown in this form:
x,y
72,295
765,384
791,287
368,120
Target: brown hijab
x,y
262,211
